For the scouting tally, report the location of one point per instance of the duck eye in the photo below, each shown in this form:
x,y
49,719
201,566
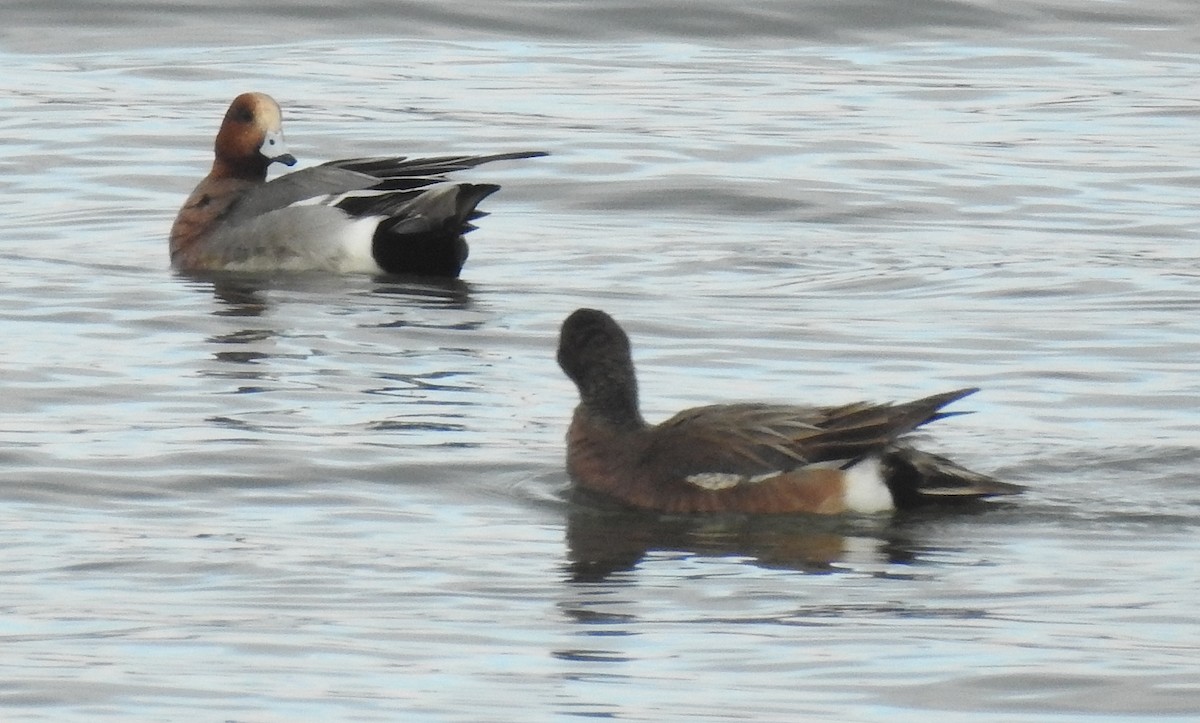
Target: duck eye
x,y
245,115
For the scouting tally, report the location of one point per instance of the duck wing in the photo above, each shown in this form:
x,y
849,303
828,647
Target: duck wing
x,y
756,439
335,178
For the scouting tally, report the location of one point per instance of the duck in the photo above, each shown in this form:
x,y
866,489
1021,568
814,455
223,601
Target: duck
x,y
394,215
748,458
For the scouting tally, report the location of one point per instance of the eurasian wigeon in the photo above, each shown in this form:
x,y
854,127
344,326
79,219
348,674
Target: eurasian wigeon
x,y
371,215
747,458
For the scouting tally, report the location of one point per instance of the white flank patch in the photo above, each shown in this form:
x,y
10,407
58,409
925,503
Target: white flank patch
x,y
714,481
865,489
717,481
356,239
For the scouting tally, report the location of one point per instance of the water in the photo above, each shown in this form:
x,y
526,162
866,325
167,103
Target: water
x,y
319,498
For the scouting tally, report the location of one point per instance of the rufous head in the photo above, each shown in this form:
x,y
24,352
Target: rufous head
x,y
251,138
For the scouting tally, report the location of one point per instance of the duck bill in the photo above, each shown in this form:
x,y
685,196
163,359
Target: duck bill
x,y
274,149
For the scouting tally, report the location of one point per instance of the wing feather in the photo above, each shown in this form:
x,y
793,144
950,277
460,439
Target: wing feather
x,y
755,439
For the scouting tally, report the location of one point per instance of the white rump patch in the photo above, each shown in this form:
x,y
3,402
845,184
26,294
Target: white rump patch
x,y
865,490
716,481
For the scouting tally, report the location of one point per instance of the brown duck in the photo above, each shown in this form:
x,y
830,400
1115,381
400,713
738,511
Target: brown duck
x,y
748,458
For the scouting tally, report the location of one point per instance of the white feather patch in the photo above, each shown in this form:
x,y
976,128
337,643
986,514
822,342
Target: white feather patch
x,y
716,481
357,239
865,490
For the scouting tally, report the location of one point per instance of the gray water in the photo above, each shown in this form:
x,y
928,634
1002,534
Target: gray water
x,y
321,498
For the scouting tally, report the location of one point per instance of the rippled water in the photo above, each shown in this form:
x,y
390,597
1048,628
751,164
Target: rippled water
x,y
321,498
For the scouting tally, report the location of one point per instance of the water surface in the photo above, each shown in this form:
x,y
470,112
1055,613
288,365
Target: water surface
x,y
323,498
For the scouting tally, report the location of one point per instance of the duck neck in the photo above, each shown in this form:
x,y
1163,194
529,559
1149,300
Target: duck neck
x,y
249,169
614,404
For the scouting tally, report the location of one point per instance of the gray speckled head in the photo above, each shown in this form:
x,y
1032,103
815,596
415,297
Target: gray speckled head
x,y
595,353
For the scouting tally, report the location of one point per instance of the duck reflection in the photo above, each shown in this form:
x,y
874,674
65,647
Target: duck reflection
x,y
603,540
426,291
263,330
248,295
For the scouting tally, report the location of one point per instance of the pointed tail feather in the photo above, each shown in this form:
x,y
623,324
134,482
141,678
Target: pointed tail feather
x,y
928,409
917,478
